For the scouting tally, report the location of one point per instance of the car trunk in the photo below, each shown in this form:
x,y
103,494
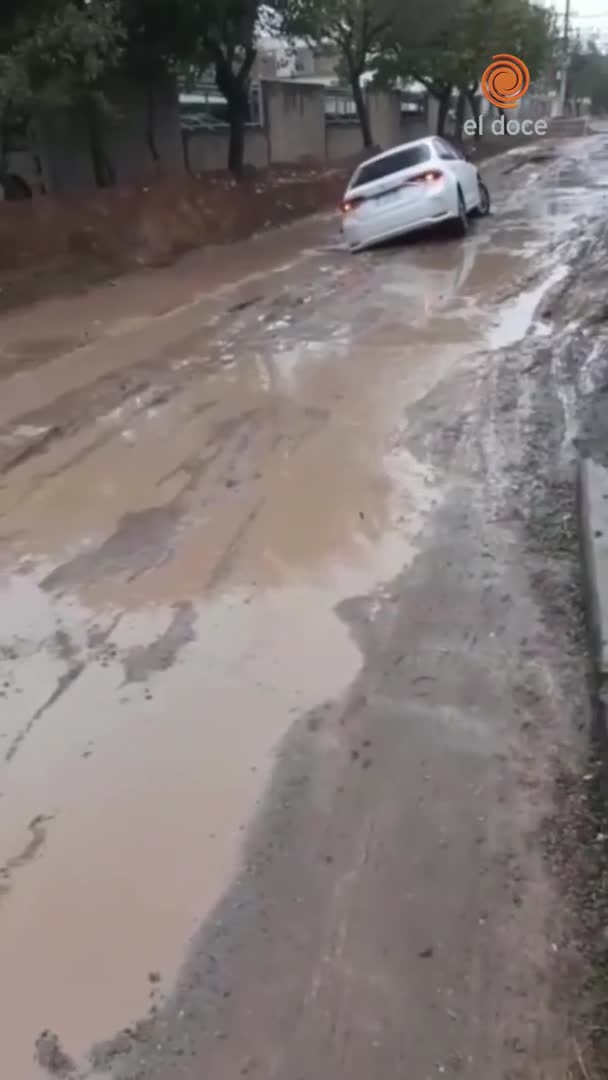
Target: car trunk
x,y
402,184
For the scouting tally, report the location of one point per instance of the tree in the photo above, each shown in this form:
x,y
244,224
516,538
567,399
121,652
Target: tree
x,y
451,47
192,36
429,46
356,28
228,40
161,38
57,52
588,76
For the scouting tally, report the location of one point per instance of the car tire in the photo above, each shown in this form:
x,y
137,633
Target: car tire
x,y
483,207
461,221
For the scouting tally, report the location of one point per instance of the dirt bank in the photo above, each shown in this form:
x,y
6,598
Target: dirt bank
x,y
53,244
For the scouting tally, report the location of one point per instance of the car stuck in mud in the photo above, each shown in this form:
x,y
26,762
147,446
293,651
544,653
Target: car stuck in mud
x,y
414,186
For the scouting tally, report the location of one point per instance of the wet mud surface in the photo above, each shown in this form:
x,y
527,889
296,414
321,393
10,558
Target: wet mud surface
x,y
291,652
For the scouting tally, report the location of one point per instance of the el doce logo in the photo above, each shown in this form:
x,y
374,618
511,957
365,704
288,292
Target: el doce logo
x,y
504,83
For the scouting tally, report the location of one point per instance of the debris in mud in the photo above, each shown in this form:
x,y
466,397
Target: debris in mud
x,y
102,1055
37,829
51,1057
34,445
534,159
243,304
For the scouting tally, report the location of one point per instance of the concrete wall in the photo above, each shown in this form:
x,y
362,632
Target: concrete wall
x,y
125,130
533,106
208,150
385,117
343,141
295,129
413,127
389,128
64,148
295,120
64,140
432,114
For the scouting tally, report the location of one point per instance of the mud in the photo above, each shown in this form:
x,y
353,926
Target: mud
x,y
290,625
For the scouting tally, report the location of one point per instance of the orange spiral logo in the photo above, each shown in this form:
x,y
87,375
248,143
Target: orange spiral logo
x,y
505,81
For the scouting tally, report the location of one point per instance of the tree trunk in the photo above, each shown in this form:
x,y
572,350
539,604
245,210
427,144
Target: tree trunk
x,y
460,111
151,124
237,118
474,106
442,115
234,85
362,110
186,148
102,169
4,139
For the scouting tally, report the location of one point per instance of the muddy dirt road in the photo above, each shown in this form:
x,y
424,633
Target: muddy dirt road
x,y
287,656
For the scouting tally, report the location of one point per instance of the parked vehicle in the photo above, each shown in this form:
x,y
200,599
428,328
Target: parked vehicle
x,y
415,185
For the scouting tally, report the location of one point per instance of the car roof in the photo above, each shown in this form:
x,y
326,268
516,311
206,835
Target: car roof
x,y
427,140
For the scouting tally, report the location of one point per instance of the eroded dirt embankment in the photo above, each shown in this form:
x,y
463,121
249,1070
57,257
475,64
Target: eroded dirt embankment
x,y
53,244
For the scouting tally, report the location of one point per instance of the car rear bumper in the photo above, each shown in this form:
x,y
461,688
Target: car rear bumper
x,y
361,229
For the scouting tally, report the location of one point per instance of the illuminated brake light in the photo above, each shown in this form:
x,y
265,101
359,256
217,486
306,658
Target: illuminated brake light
x,y
347,205
428,177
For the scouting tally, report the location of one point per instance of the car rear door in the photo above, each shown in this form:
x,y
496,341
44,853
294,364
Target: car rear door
x,y
462,170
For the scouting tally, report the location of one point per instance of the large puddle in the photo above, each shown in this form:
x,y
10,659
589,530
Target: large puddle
x,y
170,575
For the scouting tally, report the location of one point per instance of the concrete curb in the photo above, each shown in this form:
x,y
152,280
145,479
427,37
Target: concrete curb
x,y
592,498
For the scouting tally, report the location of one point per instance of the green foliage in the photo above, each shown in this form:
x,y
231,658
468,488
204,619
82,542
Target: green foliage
x,y
158,34
64,50
355,27
185,34
588,75
453,46
57,51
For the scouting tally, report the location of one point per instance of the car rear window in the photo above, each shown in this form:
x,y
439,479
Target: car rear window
x,y
392,163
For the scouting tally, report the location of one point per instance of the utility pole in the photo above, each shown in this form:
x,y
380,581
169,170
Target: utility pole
x,y
563,86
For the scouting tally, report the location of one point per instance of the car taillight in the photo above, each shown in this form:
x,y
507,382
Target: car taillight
x,y
427,177
347,205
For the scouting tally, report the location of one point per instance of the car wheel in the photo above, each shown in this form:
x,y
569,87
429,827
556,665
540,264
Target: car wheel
x,y
461,221
483,206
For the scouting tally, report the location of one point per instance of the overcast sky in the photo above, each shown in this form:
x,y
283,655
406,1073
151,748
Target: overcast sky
x,y
585,14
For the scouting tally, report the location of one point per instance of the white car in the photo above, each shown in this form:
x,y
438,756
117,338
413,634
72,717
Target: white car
x,y
410,187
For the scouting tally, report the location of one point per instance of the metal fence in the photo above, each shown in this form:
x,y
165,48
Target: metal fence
x,y
203,108
339,107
